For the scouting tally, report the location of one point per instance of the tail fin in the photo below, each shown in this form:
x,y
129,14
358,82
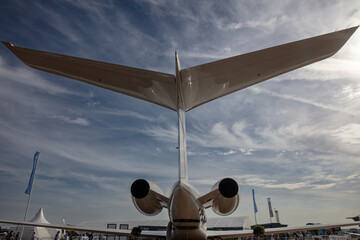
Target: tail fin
x,y
182,129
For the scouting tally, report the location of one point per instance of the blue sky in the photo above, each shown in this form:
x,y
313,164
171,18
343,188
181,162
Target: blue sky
x,y
294,138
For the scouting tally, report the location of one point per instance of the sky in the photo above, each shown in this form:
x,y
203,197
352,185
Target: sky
x,y
294,138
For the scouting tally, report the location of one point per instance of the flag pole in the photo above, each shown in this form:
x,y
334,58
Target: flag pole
x,y
29,188
255,218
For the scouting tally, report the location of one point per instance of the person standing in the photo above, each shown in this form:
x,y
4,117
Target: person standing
x,y
57,236
34,236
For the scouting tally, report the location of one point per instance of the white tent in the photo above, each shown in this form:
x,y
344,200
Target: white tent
x,y
42,233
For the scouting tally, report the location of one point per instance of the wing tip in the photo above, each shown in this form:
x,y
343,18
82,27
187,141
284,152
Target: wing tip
x,y
7,44
353,29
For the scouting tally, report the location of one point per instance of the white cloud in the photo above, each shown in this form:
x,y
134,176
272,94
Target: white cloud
x,y
163,134
129,114
247,151
220,135
28,78
348,134
227,152
307,101
354,176
325,186
78,120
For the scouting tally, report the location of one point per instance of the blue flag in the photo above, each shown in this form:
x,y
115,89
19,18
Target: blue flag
x,y
28,190
255,207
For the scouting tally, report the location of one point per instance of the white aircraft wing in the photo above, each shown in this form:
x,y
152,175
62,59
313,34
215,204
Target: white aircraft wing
x,y
269,231
209,81
199,84
211,233
155,87
119,232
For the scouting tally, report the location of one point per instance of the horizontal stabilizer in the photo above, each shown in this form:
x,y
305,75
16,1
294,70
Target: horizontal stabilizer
x,y
196,85
209,81
155,87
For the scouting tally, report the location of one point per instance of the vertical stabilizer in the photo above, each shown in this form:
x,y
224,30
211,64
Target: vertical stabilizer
x,y
179,90
182,129
182,146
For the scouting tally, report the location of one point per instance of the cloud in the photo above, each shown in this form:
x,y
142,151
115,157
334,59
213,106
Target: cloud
x,y
325,186
28,78
305,183
246,151
220,135
227,152
128,114
307,101
78,120
348,134
164,134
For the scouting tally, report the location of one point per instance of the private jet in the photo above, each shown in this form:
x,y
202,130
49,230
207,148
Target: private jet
x,y
185,90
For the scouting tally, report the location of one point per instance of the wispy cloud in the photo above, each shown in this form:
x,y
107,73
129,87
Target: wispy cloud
x,y
29,78
128,114
163,134
78,120
303,100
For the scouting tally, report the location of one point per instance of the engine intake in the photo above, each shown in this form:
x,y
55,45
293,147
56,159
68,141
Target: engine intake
x,y
227,198
140,188
147,197
228,187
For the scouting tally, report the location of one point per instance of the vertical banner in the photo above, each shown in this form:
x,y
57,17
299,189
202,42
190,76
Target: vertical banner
x,y
31,180
277,216
29,188
270,208
255,207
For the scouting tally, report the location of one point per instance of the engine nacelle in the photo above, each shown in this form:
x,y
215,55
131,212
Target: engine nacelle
x,y
146,197
227,198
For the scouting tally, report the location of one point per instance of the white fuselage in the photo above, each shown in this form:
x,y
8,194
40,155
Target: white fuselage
x,y
186,213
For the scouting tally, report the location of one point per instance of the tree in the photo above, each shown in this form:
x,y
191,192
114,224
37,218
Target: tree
x,y
136,231
259,231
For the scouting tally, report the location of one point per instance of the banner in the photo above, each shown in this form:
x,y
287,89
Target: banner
x,y
255,207
28,190
270,208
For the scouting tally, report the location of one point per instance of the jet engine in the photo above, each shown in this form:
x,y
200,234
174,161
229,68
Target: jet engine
x,y
147,197
226,197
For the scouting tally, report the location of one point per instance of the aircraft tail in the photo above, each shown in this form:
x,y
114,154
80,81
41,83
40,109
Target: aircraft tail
x,y
181,117
192,86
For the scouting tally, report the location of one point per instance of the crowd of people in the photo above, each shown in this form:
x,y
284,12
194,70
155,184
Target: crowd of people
x,y
10,235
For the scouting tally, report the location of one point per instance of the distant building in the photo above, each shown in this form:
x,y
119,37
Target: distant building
x,y
270,225
223,223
